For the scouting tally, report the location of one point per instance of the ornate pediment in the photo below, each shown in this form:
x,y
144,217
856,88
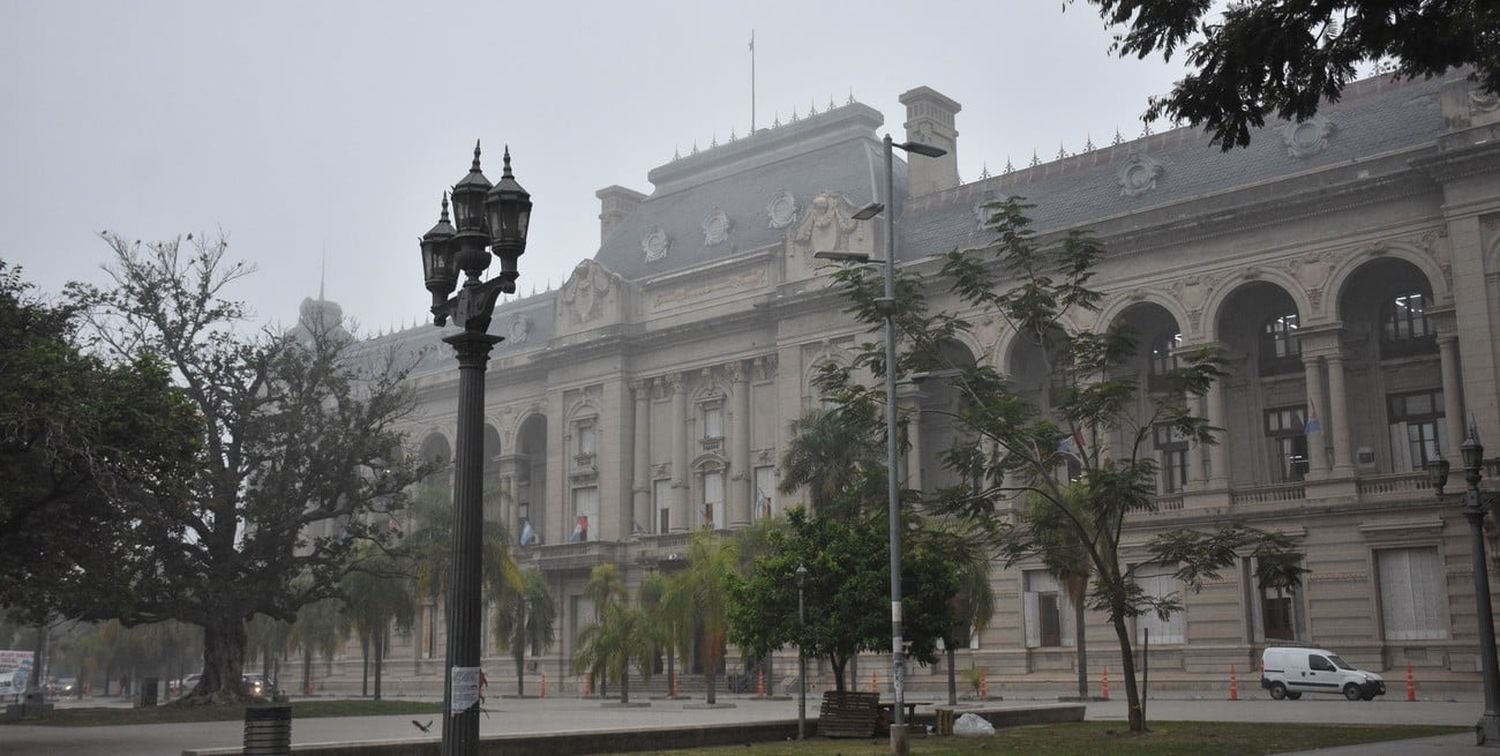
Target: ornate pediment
x,y
829,225
592,293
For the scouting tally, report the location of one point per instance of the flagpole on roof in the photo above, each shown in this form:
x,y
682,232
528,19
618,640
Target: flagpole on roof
x,y
752,82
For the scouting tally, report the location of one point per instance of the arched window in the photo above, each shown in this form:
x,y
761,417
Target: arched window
x,y
1163,360
1280,349
1404,326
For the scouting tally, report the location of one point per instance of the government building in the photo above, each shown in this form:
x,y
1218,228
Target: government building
x,y
1349,266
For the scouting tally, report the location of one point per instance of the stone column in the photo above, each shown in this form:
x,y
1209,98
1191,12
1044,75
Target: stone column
x,y
680,477
1338,409
741,478
1197,470
1220,472
1317,448
1453,407
640,480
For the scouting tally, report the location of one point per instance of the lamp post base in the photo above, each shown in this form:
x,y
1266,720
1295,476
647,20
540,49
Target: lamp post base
x,y
900,744
1487,731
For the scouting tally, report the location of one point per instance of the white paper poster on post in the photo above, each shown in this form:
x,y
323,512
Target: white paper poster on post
x,y
464,690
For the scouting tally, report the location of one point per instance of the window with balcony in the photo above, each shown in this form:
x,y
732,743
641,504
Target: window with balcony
x,y
1172,457
1405,329
585,515
713,422
1286,439
1416,427
1280,349
662,500
765,493
587,435
712,510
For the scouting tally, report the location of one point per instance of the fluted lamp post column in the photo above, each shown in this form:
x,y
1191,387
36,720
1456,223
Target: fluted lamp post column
x,y
801,657
1476,504
494,216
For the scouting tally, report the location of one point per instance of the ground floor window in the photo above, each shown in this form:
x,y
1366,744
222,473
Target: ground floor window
x,y
1413,594
1159,580
1048,615
1276,614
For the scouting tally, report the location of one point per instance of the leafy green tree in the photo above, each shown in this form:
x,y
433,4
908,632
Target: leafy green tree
x,y
671,623
834,452
1066,557
607,648
701,591
847,590
293,464
526,619
92,449
1285,57
377,596
1032,288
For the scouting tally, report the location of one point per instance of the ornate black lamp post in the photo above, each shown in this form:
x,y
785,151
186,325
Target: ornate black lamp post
x,y
494,216
801,657
1476,503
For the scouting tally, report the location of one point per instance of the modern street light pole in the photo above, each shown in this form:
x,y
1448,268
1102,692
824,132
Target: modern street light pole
x,y
900,745
801,657
1476,504
494,216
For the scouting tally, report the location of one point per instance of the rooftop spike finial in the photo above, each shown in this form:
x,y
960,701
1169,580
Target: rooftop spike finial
x,y
475,165
1062,152
676,153
851,96
1008,167
831,106
506,173
1118,139
812,109
1088,143
984,172
1035,160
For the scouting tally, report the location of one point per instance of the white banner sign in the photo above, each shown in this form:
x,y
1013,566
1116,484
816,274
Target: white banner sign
x,y
15,672
464,691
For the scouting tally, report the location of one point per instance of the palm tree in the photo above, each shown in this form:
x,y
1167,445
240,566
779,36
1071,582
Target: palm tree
x,y
606,586
1068,561
430,544
831,454
973,606
377,594
526,619
671,624
316,630
607,648
704,588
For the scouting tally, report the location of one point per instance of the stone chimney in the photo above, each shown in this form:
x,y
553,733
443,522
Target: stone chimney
x,y
929,120
615,204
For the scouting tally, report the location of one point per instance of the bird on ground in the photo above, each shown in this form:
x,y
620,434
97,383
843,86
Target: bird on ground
x,y
423,727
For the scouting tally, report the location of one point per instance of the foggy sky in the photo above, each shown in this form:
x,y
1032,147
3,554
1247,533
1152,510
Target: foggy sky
x,y
296,127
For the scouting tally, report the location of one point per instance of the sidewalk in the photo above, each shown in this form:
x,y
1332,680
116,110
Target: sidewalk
x,y
1461,744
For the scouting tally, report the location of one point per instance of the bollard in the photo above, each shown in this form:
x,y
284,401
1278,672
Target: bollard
x,y
544,685
1104,689
760,685
268,730
1411,684
984,685
1234,685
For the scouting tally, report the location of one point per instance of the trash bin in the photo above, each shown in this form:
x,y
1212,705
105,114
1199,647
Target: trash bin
x,y
268,730
148,691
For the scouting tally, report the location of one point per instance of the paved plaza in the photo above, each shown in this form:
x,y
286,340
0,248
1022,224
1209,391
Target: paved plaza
x,y
570,714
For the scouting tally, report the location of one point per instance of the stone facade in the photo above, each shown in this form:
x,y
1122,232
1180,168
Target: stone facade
x,y
1349,265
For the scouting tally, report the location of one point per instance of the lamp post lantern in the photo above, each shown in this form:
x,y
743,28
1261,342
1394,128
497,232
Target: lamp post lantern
x,y
900,745
801,657
494,216
1476,504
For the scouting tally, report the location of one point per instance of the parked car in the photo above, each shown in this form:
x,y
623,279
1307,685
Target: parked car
x,y
1288,672
256,685
60,687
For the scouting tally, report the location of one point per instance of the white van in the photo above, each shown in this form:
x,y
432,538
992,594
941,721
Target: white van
x,y
1289,671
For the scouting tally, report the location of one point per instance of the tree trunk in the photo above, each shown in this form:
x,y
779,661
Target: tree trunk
x,y
1083,648
379,660
520,657
838,672
952,676
1127,664
671,672
364,677
625,685
710,676
223,660
853,667
38,659
307,671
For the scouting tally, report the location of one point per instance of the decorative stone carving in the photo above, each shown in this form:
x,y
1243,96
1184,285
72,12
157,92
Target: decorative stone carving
x,y
1138,174
716,228
765,367
1192,291
1483,102
1307,138
655,243
661,470
519,329
782,210
582,298
829,225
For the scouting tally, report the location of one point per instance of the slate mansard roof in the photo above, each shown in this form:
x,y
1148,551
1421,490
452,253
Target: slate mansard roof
x,y
1375,116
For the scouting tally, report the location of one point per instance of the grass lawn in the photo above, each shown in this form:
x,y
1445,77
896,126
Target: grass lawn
x,y
161,714
1165,738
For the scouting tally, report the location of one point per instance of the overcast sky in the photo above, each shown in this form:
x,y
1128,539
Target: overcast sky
x,y
296,127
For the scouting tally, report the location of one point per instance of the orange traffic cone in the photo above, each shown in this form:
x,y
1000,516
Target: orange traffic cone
x,y
1104,688
984,685
760,685
874,683
1234,685
676,691
588,687
1411,684
544,685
